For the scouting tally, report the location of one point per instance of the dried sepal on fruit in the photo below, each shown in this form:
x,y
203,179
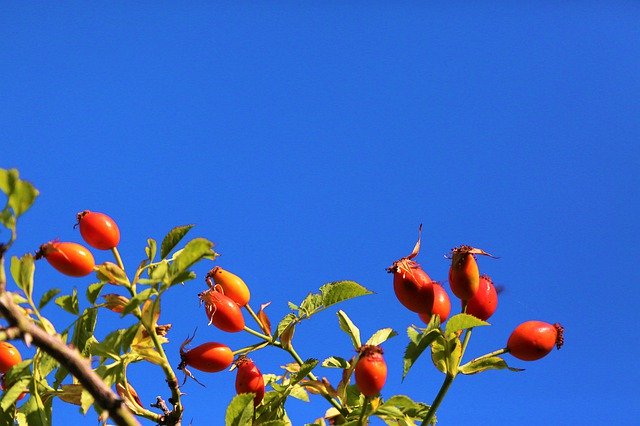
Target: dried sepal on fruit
x,y
464,275
411,284
221,311
371,370
533,340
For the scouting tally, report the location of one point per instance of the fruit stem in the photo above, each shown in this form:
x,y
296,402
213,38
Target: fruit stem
x,y
465,342
313,377
436,402
253,315
260,335
116,254
364,409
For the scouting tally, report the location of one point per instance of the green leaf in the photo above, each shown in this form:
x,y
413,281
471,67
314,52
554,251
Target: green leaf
x,y
240,410
298,392
350,328
138,300
37,412
86,401
284,323
14,392
183,277
462,322
310,304
408,407
7,219
339,291
93,291
195,250
172,239
305,369
418,342
336,362
111,273
84,328
151,249
20,193
22,271
46,298
381,336
492,363
69,302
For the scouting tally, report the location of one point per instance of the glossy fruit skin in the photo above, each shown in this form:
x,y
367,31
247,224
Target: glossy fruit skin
x,y
209,357
532,340
412,285
464,275
371,371
222,312
98,230
485,302
232,285
441,305
249,379
9,356
71,259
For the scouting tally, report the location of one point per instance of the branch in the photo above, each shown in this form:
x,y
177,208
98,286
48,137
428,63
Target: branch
x,y
69,358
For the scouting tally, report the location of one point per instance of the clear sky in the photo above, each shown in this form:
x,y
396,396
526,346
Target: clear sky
x,y
309,140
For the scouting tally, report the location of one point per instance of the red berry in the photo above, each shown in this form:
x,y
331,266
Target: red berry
x,y
533,340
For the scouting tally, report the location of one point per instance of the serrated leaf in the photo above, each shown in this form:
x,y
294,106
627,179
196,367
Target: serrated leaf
x,y
335,362
305,369
151,312
195,250
287,335
14,392
298,392
93,291
408,407
240,410
418,342
339,291
172,239
462,322
151,249
492,363
293,306
69,302
284,323
22,271
70,393
381,336
46,298
182,277
83,330
138,300
310,305
20,193
350,328
111,273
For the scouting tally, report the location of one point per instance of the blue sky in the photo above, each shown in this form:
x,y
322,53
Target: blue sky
x,y
310,140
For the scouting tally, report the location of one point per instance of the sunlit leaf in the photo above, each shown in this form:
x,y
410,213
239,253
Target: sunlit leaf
x,y
463,321
418,342
22,271
339,291
350,328
381,336
335,362
20,193
151,249
69,302
240,410
46,298
484,364
111,273
172,239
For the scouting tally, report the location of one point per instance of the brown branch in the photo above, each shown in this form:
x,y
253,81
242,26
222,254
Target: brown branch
x,y
69,358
